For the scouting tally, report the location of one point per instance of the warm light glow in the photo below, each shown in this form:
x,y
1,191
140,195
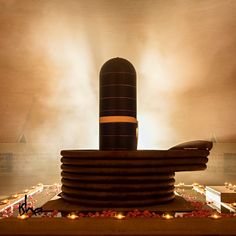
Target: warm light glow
x,y
23,217
76,79
156,86
167,216
72,216
3,202
119,216
230,186
150,132
15,196
215,216
26,190
233,204
234,187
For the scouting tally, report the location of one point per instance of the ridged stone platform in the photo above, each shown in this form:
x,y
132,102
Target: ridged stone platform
x,y
128,178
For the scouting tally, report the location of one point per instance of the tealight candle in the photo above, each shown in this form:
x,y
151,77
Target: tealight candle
x,y
230,186
226,184
3,202
233,204
119,216
26,190
234,187
215,216
15,196
72,216
167,216
22,217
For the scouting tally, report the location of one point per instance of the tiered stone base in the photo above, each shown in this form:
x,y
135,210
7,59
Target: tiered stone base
x,y
126,178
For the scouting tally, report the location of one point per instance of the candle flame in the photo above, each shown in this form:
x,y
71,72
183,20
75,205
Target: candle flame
x,y
119,216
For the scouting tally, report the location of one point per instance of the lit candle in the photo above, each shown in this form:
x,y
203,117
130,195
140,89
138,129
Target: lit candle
x,y
215,216
234,187
233,204
15,196
72,216
4,202
230,186
167,216
26,190
23,217
119,216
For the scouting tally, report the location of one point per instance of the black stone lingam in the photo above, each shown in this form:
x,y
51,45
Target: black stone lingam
x,y
118,109
118,175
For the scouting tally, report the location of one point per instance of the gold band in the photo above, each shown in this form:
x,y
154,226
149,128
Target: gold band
x,y
111,119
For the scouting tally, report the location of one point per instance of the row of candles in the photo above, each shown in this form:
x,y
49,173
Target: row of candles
x,y
165,216
230,186
20,195
182,184
119,216
33,190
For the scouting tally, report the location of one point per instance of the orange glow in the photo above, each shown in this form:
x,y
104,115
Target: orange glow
x,y
215,216
119,216
22,217
3,202
72,216
167,216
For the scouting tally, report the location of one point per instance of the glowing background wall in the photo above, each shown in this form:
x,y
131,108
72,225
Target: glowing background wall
x,y
51,53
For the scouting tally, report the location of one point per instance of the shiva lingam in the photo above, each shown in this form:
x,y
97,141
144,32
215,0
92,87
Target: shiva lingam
x,y
118,175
